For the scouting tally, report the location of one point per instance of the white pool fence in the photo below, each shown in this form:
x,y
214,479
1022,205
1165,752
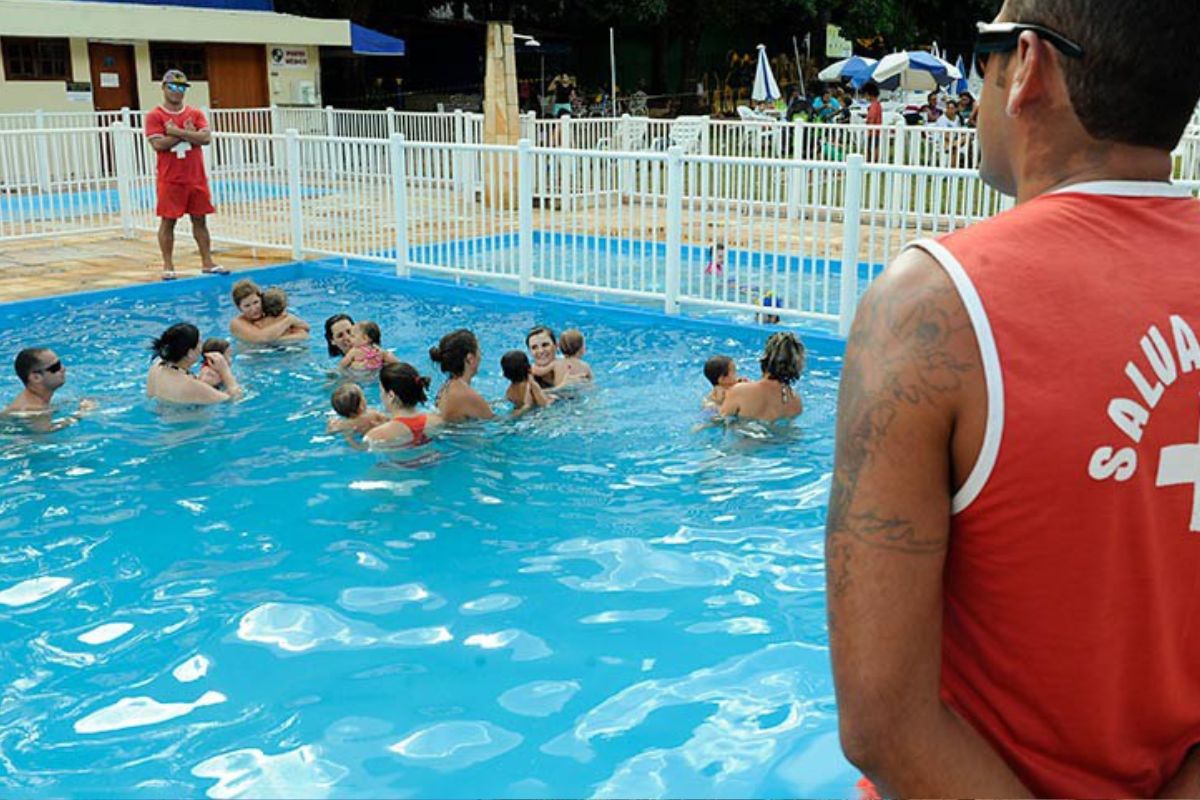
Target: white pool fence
x,y
802,234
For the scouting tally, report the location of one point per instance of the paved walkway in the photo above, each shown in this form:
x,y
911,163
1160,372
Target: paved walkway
x,y
44,267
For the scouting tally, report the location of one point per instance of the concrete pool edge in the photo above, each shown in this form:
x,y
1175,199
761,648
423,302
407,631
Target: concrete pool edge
x,y
413,285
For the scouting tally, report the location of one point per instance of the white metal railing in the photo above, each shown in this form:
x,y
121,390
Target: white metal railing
x,y
799,238
58,180
896,144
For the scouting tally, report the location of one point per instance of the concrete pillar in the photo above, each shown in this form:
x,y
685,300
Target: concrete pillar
x,y
501,106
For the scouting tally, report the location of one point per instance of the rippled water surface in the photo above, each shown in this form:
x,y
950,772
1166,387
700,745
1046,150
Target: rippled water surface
x,y
596,599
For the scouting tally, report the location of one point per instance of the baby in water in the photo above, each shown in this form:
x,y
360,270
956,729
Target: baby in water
x,y
573,347
523,392
207,373
355,415
367,355
721,372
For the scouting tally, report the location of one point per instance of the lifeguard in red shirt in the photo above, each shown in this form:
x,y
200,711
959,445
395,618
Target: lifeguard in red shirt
x,y
178,133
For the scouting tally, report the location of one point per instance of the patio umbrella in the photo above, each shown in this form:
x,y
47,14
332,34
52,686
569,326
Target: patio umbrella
x,y
855,69
765,88
914,70
961,85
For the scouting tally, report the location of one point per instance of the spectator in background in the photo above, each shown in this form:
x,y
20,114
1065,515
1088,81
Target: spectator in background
x,y
874,118
826,106
797,106
951,117
931,111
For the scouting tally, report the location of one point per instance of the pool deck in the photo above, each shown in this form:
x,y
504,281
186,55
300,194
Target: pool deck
x,y
75,263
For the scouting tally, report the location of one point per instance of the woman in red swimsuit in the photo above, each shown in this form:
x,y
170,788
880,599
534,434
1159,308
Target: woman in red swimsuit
x,y
403,390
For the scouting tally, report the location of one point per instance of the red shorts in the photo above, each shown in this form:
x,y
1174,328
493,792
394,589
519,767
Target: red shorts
x,y
177,199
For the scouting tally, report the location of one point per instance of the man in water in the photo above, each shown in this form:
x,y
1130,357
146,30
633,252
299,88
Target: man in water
x,y
1013,539
42,373
178,133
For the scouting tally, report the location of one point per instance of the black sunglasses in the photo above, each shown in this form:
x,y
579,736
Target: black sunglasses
x,y
1002,37
55,367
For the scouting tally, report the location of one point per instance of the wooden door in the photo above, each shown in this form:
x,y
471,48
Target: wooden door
x,y
237,75
114,78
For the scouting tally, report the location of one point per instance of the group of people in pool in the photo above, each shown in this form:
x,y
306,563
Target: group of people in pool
x,y
190,370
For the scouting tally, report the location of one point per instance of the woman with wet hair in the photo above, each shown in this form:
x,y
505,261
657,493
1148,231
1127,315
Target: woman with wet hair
x,y
252,324
771,397
458,356
171,378
404,390
340,335
547,367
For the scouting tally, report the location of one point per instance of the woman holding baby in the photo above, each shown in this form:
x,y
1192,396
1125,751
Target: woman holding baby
x,y
263,317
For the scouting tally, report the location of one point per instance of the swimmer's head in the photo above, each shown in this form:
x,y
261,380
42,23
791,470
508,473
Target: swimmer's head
x,y
274,301
215,345
369,332
783,358
571,343
457,353
221,346
720,371
339,334
402,385
177,343
248,299
33,361
515,366
349,401
541,342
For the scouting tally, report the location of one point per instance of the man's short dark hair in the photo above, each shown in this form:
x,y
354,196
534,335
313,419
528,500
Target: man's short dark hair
x,y
27,361
871,89
1139,80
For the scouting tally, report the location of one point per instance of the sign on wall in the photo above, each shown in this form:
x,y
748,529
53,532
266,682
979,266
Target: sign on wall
x,y
110,80
79,92
289,57
835,45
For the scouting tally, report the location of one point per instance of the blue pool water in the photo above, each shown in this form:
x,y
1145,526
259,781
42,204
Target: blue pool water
x,y
596,600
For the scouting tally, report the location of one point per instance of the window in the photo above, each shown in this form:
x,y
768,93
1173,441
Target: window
x,y
190,58
36,59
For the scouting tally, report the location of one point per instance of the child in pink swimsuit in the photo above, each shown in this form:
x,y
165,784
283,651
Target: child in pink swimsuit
x,y
366,355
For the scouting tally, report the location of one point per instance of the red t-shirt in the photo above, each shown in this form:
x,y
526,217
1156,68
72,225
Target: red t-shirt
x,y
183,163
875,113
1070,637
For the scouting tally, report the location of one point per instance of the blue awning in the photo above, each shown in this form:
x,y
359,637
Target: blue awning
x,y
366,42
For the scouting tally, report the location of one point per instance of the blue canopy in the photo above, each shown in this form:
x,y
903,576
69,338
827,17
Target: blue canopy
x,y
961,84
366,42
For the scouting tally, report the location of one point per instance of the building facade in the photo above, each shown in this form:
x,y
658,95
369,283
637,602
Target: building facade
x,y
66,55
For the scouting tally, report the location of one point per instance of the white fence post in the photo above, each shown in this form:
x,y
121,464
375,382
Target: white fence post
x,y
391,121
674,227
525,216
528,126
400,199
274,116
126,117
293,178
42,145
566,174
329,122
796,175
123,153
851,236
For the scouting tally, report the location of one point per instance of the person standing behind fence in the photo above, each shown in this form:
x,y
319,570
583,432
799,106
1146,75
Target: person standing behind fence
x,y
1013,537
178,132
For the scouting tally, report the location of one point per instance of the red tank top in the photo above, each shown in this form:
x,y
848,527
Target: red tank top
x,y
1073,575
416,426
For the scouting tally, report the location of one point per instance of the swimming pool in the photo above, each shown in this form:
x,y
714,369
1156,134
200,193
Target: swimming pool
x,y
594,600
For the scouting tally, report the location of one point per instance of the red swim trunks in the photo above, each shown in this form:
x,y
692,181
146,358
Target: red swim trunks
x,y
177,199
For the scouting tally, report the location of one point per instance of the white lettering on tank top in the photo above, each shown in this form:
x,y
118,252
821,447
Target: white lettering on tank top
x,y
1162,361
